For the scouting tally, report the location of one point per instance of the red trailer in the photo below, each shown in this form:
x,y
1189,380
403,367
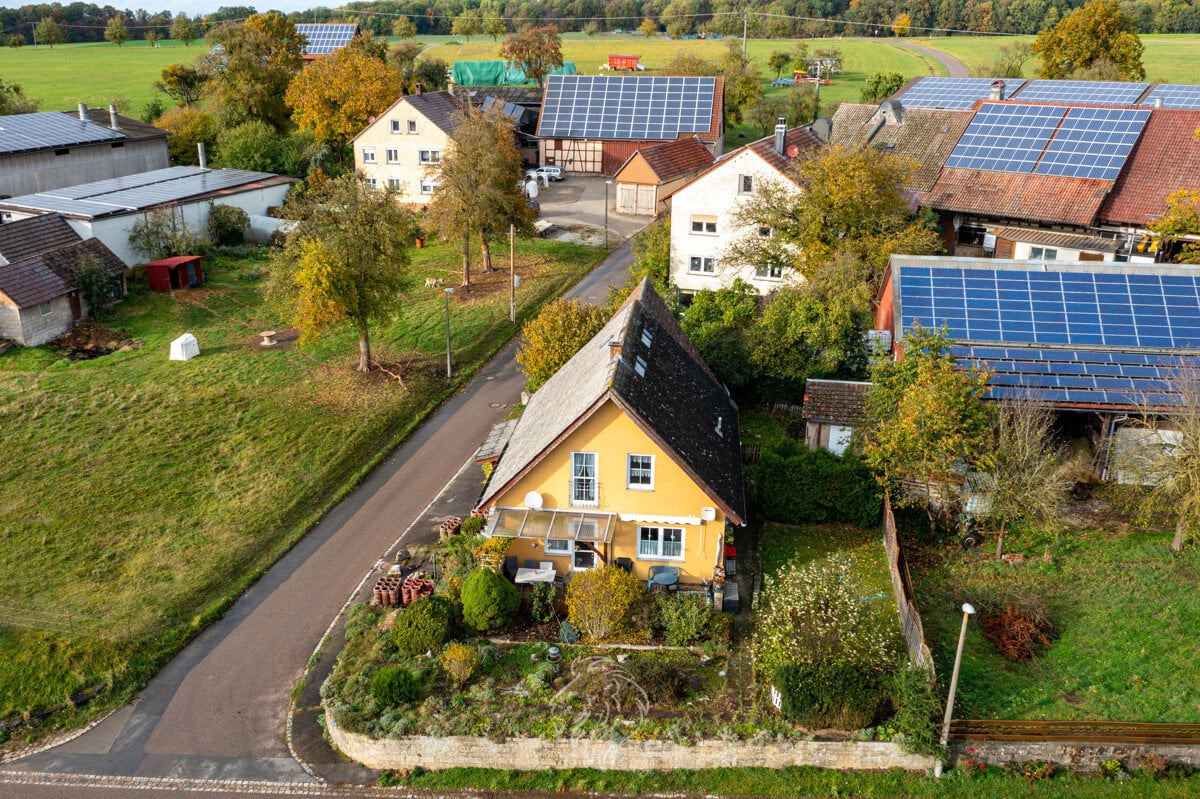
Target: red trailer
x,y
623,61
177,272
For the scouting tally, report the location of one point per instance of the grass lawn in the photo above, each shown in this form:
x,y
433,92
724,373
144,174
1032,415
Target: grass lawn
x,y
142,495
1169,58
1126,613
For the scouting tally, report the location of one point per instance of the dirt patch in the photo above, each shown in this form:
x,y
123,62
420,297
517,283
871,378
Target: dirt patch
x,y
485,284
284,340
90,340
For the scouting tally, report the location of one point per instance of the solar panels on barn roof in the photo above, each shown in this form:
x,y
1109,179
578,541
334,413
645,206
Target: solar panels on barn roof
x,y
1006,138
952,93
325,38
1175,95
1093,143
1070,333
626,107
45,130
1091,92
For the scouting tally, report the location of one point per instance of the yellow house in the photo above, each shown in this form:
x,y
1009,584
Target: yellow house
x,y
629,453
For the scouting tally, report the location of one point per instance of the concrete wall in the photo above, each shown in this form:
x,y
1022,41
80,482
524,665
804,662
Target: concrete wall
x,y
29,327
716,194
406,167
30,173
534,754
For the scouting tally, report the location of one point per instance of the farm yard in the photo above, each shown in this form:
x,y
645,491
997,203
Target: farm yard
x,y
143,495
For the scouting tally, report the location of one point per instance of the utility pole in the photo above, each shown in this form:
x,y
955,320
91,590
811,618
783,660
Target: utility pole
x,y
817,107
745,18
512,274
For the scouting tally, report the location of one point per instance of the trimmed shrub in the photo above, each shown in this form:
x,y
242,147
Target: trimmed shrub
x,y
796,485
425,625
395,685
459,661
916,710
600,602
227,225
472,526
833,695
684,618
489,601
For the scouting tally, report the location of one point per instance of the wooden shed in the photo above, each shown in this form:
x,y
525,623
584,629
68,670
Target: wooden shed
x,y
176,272
652,174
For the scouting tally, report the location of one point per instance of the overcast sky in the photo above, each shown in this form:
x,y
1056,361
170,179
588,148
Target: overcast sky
x,y
195,7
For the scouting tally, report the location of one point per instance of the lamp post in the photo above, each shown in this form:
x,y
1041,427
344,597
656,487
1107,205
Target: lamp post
x,y
607,183
449,370
968,611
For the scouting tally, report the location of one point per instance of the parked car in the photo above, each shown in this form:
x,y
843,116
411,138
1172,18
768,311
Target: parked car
x,y
551,173
784,82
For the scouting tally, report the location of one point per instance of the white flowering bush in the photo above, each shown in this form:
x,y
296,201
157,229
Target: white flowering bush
x,y
812,614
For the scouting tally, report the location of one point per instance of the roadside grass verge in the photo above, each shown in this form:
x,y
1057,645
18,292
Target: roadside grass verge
x,y
143,495
1125,611
802,782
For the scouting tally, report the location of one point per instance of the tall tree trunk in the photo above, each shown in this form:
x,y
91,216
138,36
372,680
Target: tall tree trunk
x,y
466,259
487,253
1180,531
364,348
1000,539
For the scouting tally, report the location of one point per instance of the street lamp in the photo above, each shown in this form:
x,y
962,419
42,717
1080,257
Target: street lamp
x,y
607,183
968,611
449,370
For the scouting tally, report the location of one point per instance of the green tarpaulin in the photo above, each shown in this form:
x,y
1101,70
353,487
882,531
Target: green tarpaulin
x,y
497,73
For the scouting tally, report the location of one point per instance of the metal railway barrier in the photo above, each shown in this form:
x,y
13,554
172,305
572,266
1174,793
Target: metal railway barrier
x,y
1086,732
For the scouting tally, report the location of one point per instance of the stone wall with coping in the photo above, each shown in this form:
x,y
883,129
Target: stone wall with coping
x,y
535,754
1073,756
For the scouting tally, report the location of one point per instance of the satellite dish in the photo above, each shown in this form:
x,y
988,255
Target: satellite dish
x,y
708,514
533,500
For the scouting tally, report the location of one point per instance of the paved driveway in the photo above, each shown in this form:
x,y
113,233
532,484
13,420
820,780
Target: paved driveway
x,y
578,201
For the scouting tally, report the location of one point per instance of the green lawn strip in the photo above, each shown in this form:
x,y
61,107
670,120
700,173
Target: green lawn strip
x,y
803,782
143,495
1126,612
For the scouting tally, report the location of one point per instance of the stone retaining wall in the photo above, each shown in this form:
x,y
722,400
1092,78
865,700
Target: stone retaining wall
x,y
1073,756
534,754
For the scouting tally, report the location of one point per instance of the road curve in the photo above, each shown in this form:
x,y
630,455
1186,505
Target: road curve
x,y
217,710
954,67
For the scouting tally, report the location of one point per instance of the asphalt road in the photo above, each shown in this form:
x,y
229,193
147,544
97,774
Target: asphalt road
x,y
954,67
217,711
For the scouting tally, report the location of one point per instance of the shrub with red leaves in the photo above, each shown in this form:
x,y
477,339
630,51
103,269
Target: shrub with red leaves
x,y
1017,635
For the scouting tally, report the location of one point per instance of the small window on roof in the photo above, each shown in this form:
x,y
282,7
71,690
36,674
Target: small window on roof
x,y
639,366
647,336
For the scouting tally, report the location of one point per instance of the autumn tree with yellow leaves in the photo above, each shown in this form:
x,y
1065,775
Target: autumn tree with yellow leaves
x,y
335,97
1098,32
346,262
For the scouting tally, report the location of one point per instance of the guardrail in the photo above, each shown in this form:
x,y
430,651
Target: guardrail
x,y
1089,732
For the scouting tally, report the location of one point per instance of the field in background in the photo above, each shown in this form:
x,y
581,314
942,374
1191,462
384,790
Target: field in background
x,y
142,495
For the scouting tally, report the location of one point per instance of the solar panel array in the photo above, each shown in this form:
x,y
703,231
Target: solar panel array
x,y
952,93
323,39
49,129
1006,138
1093,143
1093,92
626,107
1066,335
1175,95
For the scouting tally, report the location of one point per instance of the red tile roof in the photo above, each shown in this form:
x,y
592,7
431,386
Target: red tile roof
x,y
836,402
670,160
1039,198
1165,159
800,138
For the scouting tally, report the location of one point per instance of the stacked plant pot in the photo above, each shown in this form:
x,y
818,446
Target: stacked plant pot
x,y
387,591
449,527
414,587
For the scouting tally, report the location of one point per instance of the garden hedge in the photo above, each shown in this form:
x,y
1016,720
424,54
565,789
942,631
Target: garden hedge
x,y
797,485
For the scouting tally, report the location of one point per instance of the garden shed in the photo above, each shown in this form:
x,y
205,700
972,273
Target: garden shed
x,y
176,272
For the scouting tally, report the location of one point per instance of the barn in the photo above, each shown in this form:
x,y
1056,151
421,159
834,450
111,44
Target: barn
x,y
592,124
652,174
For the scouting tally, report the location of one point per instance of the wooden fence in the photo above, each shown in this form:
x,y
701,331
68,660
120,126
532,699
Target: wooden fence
x,y
910,617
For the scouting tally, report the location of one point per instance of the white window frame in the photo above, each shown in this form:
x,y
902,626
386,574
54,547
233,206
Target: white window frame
x,y
697,265
428,186
395,183
412,126
703,226
368,155
578,481
658,543
392,155
373,183
629,483
46,308
1043,254
568,551
769,271
395,127
429,156
745,184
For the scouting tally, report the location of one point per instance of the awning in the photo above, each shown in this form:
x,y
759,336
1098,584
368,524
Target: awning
x,y
561,524
1069,241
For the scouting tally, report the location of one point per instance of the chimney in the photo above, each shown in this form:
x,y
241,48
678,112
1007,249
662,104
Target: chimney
x,y
203,156
997,90
780,133
83,112
113,122
1157,102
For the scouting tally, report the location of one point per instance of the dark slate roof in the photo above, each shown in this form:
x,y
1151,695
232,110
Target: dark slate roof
x,y
926,136
133,129
41,277
520,95
441,108
34,235
678,402
842,402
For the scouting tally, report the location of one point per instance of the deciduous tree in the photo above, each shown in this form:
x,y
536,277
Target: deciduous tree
x,y
652,255
346,262
536,50
648,27
902,24
467,24
334,97
181,83
183,29
404,28
778,61
151,36
14,101
880,85
926,421
49,32
494,24
1009,62
187,128
720,324
550,339
117,31
479,185
1180,224
249,73
1099,30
